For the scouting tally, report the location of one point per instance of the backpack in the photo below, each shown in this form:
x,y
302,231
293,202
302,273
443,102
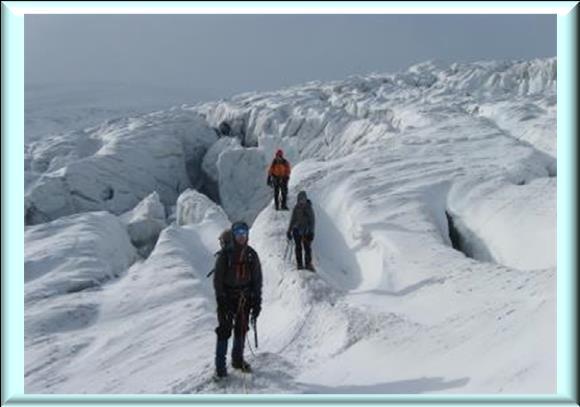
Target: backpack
x,y
276,164
304,215
226,239
226,242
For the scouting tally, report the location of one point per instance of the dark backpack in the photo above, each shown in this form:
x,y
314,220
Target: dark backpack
x,y
226,242
226,239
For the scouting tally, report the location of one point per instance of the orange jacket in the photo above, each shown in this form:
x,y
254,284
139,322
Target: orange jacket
x,y
279,168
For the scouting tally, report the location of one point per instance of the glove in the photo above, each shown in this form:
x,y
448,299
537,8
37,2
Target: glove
x,y
289,235
269,181
310,236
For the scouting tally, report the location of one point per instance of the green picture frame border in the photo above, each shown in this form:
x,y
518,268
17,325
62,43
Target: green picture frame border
x,y
12,148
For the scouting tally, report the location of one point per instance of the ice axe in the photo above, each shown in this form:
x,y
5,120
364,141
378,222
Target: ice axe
x,y
255,326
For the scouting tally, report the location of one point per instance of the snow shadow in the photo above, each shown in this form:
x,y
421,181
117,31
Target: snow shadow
x,y
337,263
414,386
467,242
405,291
61,317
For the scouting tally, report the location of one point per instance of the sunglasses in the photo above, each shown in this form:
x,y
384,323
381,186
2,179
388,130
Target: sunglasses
x,y
240,232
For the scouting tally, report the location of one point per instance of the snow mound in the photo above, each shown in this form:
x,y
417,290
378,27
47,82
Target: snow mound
x,y
156,319
514,225
145,222
74,253
326,120
67,262
242,183
531,121
156,152
211,159
194,208
486,78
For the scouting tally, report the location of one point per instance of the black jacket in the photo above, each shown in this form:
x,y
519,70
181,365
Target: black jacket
x,y
302,219
238,268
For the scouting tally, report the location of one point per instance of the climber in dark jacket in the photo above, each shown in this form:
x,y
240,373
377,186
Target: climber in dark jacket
x,y
238,289
301,229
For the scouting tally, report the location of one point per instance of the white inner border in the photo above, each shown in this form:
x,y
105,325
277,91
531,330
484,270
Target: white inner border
x,y
289,7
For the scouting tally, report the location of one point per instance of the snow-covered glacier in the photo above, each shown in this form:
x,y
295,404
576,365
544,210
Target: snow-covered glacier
x,y
435,197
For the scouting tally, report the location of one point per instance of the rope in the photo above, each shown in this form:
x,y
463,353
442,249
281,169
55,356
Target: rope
x,y
240,312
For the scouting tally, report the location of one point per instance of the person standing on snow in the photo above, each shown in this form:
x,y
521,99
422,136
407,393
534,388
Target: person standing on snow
x,y
301,228
278,176
238,290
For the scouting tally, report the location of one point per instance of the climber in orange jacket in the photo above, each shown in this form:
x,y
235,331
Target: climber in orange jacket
x,y
278,176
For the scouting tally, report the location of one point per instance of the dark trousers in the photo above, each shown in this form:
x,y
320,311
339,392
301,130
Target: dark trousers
x,y
280,188
300,242
234,316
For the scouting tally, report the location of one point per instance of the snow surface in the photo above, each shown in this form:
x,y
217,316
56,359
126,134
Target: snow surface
x,y
435,248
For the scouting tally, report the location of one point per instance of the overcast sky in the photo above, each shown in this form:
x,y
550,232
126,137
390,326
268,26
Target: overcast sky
x,y
221,55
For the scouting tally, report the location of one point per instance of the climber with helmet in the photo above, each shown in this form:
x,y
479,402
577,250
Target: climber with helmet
x,y
278,176
301,229
238,290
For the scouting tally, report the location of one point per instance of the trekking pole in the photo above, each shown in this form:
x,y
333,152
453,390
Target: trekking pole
x,y
291,249
287,253
287,250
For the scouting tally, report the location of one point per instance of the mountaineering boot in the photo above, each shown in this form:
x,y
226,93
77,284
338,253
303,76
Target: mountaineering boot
x,y
243,366
308,259
238,361
298,252
220,358
299,263
308,254
219,376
